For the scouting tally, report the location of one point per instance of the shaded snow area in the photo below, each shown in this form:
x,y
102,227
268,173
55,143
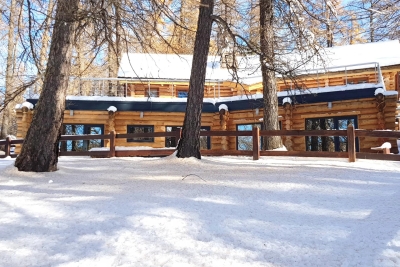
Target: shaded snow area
x,y
220,211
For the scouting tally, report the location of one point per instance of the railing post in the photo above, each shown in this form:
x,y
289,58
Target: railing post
x,y
8,146
351,143
112,144
256,143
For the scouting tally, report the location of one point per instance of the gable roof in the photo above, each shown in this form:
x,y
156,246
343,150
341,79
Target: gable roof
x,y
178,67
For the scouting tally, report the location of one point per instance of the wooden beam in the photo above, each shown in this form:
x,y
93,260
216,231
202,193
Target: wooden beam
x,y
393,157
226,152
387,134
17,141
8,146
85,153
256,143
84,137
303,133
112,144
351,142
226,133
144,153
305,154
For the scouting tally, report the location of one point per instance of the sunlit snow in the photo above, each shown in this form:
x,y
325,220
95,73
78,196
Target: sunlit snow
x,y
220,211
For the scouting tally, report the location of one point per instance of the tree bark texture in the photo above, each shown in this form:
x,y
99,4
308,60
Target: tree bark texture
x,y
189,144
7,113
267,59
40,148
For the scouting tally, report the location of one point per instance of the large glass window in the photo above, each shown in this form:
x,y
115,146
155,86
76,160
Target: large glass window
x,y
329,143
205,141
246,142
140,129
81,129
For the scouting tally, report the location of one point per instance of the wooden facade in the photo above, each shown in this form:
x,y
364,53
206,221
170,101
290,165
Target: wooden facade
x,y
361,95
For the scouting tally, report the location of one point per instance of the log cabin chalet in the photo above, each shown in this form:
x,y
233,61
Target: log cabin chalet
x,y
359,84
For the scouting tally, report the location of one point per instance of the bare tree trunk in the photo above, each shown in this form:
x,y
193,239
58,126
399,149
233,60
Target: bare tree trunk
x,y
267,59
329,34
40,149
114,45
45,43
7,113
189,145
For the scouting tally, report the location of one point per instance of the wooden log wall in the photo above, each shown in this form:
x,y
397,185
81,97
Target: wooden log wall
x,y
365,109
24,118
160,120
370,116
227,89
170,90
336,79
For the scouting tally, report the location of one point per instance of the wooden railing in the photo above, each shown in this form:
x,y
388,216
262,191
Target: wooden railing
x,y
351,134
7,146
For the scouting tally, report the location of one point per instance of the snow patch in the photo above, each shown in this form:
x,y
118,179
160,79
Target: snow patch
x,y
223,106
27,104
379,91
112,108
287,100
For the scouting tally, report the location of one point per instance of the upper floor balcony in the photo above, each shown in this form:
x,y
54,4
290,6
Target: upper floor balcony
x,y
339,78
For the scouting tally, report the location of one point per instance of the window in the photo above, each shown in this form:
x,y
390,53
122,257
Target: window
x,y
140,129
182,94
329,143
80,129
246,142
152,92
205,141
357,80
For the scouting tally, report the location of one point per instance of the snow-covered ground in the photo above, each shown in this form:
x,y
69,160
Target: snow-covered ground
x,y
220,211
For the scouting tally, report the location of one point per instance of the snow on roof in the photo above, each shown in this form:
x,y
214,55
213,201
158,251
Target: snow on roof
x,y
25,104
385,53
178,67
167,66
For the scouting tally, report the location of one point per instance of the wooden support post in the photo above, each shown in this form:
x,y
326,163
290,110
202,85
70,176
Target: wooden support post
x,y
8,146
351,143
256,143
386,150
112,144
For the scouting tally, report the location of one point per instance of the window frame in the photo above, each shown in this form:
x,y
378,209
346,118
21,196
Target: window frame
x,y
243,124
172,140
336,140
86,130
142,139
